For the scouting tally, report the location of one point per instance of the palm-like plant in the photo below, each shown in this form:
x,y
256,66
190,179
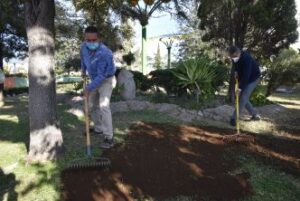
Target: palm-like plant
x,y
196,73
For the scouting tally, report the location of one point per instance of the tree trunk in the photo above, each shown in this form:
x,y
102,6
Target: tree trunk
x,y
46,141
1,67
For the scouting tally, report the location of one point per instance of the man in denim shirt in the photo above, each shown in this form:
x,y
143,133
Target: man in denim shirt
x,y
97,61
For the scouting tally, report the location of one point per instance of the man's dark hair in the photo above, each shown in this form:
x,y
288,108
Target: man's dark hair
x,y
233,49
91,29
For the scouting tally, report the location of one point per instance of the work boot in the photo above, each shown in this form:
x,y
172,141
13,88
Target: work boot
x,y
107,143
233,122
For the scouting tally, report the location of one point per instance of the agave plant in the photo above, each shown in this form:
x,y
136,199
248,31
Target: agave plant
x,y
195,73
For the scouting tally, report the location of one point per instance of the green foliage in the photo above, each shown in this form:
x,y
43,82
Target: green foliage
x,y
283,70
141,81
99,13
258,97
167,80
129,58
264,26
12,30
15,91
201,75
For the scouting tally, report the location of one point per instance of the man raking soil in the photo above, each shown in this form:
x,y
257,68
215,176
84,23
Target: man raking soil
x,y
247,76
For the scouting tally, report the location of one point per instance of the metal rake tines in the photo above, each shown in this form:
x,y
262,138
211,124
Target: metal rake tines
x,y
96,163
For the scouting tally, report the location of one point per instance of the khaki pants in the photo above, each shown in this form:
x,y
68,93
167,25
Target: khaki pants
x,y
99,106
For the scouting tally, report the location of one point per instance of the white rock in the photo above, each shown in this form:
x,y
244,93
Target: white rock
x,y
127,84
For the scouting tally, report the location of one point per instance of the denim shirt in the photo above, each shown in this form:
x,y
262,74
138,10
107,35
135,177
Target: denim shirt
x,y
99,64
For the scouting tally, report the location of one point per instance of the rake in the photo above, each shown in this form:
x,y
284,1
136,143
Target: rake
x,y
238,137
89,161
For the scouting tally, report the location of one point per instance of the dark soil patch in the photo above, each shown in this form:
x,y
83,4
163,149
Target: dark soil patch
x,y
162,161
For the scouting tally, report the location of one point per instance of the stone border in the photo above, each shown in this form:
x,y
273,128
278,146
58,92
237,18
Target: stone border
x,y
220,113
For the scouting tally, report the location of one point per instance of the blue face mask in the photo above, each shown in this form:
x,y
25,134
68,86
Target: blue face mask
x,y
92,46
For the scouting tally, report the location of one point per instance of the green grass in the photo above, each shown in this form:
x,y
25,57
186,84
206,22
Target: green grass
x,y
40,182
269,183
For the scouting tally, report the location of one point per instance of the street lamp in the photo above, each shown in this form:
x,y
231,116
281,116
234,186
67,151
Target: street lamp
x,y
168,42
136,11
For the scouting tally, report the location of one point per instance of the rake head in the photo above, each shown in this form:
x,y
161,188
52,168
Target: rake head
x,y
238,138
90,162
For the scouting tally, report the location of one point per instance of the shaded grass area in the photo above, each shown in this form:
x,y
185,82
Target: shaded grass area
x,y
19,181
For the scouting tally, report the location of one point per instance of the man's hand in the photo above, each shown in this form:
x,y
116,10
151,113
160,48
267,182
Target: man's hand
x,y
236,75
238,91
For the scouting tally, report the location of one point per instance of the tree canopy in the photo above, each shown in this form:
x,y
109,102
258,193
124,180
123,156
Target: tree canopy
x,y
262,26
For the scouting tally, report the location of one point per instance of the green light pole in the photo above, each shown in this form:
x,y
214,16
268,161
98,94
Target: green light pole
x,y
168,42
135,10
144,48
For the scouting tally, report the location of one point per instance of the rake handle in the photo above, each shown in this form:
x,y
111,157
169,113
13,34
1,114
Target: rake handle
x,y
237,105
87,121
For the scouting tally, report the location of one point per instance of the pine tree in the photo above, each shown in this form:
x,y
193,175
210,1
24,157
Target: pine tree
x,y
157,59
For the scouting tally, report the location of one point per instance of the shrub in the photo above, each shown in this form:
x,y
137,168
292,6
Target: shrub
x,y
201,75
141,81
167,80
284,69
258,97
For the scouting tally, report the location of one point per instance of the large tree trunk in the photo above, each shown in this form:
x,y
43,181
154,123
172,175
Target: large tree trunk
x,y
1,67
46,141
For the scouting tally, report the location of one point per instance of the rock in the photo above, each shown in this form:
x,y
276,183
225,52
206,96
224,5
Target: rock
x,y
76,112
285,89
166,108
119,107
127,84
139,105
200,113
221,113
187,115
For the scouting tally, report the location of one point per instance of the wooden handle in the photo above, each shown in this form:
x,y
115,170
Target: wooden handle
x,y
87,120
237,105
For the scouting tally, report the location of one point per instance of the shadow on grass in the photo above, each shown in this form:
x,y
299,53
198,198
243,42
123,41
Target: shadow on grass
x,y
7,186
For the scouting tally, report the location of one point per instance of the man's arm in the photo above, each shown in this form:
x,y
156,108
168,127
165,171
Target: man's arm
x,y
100,76
110,68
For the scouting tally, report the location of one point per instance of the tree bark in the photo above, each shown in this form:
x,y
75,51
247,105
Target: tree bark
x,y
1,67
46,141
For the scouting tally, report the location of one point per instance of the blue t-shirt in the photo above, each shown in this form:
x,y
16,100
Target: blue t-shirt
x,y
99,64
247,69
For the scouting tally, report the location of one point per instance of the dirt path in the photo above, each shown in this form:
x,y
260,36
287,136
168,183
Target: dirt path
x,y
162,161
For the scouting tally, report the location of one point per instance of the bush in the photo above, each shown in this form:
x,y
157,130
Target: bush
x,y
141,81
166,80
258,97
201,75
15,91
283,70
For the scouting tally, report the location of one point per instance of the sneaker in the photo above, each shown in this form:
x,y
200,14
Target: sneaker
x,y
255,118
107,143
232,122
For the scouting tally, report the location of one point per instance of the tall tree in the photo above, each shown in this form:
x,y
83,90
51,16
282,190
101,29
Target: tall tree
x,y
262,26
12,32
45,135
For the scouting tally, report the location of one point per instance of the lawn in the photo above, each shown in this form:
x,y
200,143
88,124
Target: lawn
x,y
273,174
